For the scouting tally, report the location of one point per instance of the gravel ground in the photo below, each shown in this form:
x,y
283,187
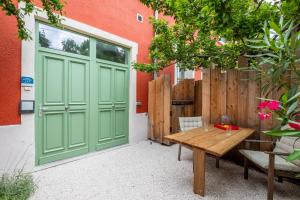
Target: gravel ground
x,y
145,171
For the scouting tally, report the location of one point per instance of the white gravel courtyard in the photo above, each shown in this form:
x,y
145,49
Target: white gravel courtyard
x,y
145,171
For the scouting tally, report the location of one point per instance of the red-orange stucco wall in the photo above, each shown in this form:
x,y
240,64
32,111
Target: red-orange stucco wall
x,y
10,71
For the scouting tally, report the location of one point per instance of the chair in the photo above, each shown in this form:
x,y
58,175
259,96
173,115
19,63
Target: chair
x,y
273,163
188,123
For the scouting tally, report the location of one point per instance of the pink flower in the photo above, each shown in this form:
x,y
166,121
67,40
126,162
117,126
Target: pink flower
x,y
273,105
262,105
263,116
294,125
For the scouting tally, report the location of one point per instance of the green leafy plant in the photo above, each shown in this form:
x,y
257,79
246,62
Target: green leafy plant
x,y
287,111
275,56
50,6
18,186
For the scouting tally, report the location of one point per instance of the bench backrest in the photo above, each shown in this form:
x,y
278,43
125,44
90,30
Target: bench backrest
x,y
287,145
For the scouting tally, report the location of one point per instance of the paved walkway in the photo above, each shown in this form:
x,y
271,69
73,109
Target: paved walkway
x,y
145,171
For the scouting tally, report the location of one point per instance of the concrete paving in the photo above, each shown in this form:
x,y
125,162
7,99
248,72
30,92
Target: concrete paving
x,y
145,171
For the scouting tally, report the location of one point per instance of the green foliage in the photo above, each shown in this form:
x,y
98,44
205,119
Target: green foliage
x,y
275,55
191,42
19,186
50,6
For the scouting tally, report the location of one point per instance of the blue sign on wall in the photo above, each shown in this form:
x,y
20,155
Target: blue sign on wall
x,y
26,81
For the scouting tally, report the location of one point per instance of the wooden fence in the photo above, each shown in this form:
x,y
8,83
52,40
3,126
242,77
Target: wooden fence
x,y
159,104
166,104
234,93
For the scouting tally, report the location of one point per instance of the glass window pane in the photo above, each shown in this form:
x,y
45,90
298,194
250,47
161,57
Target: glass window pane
x,y
111,52
54,38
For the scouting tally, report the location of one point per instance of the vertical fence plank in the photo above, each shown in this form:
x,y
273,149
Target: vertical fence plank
x,y
158,125
198,98
223,92
206,96
215,94
188,95
167,108
242,99
151,109
232,95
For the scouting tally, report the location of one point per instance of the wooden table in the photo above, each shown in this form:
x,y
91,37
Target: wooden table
x,y
212,141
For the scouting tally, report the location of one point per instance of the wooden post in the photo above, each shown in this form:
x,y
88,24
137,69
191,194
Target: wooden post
x,y
245,168
199,171
271,176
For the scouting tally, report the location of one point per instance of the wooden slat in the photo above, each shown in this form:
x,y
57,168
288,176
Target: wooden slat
x,y
223,92
215,93
188,95
167,108
151,109
206,96
198,98
158,120
242,108
232,95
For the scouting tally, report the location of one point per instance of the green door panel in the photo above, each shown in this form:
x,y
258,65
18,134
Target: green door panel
x,y
120,123
54,132
81,104
78,132
120,85
78,82
105,125
54,77
105,83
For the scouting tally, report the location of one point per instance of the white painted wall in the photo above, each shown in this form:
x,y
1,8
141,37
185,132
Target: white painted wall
x,y
17,143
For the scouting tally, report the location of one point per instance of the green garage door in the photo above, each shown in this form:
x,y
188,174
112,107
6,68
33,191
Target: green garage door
x,y
81,94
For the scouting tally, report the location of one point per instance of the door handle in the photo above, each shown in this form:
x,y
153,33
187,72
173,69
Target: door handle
x,y
66,108
41,109
113,105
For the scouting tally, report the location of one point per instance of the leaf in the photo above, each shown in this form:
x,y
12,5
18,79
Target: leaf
x,y
292,107
280,133
284,98
275,27
288,32
294,156
294,97
266,39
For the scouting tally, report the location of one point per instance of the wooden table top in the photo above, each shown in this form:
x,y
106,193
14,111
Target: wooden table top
x,y
212,140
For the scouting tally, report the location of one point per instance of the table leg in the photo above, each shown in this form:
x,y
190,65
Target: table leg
x,y
199,171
